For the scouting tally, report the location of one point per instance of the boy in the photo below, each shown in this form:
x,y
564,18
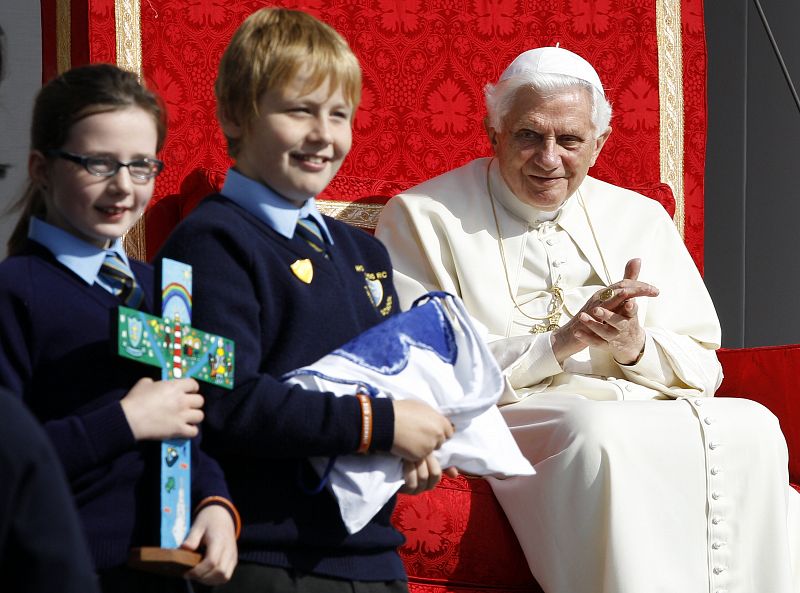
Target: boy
x,y
289,285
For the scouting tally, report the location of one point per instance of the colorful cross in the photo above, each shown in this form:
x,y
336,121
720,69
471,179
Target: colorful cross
x,y
179,350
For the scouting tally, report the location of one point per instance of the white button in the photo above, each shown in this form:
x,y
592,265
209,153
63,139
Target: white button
x,y
719,570
717,545
708,420
716,520
716,495
720,591
698,401
549,241
557,264
629,388
715,470
713,445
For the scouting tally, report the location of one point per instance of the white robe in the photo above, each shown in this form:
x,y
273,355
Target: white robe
x,y
643,484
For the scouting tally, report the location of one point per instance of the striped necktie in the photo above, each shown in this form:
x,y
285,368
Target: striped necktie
x,y
309,230
116,277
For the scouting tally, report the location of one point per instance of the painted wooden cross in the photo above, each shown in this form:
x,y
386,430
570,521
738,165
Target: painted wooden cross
x,y
179,350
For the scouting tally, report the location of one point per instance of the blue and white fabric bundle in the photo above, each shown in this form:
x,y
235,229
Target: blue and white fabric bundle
x,y
432,353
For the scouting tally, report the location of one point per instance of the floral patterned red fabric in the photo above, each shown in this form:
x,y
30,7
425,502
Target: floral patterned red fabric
x,y
425,64
458,539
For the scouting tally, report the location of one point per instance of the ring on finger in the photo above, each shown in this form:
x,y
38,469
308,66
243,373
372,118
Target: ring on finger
x,y
606,294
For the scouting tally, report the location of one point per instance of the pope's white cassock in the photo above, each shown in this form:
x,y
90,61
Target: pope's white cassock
x,y
644,483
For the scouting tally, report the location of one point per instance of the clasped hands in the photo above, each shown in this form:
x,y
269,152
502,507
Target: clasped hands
x,y
608,321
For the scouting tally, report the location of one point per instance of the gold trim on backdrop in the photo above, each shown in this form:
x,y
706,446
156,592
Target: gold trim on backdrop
x,y
129,56
63,36
129,35
670,92
360,215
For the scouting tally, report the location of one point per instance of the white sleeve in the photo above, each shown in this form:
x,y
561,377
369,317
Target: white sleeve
x,y
675,365
526,362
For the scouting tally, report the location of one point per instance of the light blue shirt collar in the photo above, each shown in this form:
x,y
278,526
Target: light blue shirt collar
x,y
79,256
270,207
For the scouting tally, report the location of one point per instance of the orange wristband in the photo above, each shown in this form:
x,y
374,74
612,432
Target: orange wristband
x,y
366,422
223,502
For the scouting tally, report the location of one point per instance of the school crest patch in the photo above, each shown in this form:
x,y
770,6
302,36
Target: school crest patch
x,y
375,290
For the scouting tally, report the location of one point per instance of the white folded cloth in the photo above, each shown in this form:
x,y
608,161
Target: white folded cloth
x,y
431,353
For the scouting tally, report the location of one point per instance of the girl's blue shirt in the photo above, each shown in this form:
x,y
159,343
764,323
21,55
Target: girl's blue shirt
x,y
76,254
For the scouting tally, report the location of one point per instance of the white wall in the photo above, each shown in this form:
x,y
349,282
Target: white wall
x,y
21,22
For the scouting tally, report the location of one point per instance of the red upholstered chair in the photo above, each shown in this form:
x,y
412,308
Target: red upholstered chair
x,y
425,63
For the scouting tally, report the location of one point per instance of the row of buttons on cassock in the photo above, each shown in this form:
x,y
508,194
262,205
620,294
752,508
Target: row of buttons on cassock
x,y
715,470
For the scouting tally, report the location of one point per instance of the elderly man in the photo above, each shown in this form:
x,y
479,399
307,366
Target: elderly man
x,y
606,335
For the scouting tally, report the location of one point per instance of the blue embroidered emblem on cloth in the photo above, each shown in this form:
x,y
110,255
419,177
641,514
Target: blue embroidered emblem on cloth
x,y
384,348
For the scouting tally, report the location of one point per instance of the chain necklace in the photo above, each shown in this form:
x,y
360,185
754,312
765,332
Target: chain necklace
x,y
550,321
557,304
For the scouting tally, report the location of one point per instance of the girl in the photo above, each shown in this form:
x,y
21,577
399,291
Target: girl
x,y
92,167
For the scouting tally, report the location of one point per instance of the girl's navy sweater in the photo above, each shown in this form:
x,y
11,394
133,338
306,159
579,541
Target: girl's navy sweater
x,y
57,352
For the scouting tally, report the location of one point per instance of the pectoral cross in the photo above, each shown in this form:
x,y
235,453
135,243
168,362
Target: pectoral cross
x,y
170,343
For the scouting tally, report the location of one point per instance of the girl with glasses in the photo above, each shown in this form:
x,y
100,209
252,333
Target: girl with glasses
x,y
95,135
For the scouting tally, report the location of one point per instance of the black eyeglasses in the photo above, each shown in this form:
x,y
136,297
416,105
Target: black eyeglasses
x,y
106,166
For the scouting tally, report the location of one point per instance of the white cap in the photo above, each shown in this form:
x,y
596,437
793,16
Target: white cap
x,y
553,60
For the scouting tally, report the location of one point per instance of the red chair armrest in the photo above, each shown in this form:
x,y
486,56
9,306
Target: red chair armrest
x,y
768,375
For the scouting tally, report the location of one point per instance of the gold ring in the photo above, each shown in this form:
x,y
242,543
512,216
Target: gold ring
x,y
606,294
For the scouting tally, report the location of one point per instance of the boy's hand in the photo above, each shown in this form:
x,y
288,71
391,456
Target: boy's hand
x,y
418,430
213,529
424,475
159,410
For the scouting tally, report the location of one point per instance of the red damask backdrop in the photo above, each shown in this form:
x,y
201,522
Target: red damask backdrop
x,y
425,64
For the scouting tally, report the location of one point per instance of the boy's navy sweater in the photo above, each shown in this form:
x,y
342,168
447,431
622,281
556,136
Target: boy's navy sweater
x,y
56,351
263,432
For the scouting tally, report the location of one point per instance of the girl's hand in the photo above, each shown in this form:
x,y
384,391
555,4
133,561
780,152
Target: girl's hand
x,y
159,410
213,530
